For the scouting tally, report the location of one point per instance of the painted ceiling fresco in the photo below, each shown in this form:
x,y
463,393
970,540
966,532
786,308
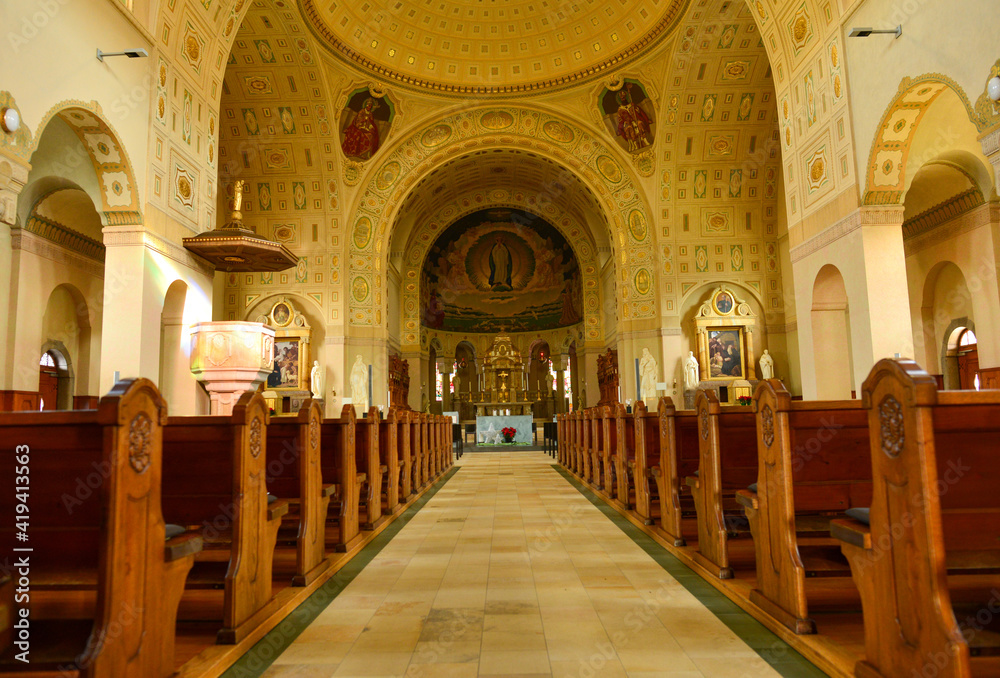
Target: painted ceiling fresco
x,y
500,267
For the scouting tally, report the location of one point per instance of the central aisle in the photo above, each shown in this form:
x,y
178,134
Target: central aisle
x,y
510,570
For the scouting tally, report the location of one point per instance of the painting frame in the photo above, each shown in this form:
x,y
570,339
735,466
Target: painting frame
x,y
724,303
723,365
286,373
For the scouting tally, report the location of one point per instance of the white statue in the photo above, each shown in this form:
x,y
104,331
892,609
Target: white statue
x,y
766,366
550,380
316,380
647,371
455,382
691,372
359,385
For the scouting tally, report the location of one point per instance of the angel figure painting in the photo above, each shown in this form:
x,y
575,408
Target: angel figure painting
x,y
365,123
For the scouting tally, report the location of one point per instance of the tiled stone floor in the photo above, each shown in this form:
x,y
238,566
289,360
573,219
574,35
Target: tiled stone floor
x,y
509,570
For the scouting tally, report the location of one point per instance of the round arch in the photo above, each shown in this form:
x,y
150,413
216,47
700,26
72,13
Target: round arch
x,y
888,160
591,160
118,192
831,333
422,239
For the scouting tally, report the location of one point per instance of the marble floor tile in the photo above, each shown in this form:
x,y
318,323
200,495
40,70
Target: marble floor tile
x,y
508,570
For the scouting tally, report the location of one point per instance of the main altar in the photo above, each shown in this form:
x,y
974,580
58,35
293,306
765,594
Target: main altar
x,y
503,381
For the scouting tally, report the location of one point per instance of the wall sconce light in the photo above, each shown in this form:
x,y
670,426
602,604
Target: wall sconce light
x,y
865,32
10,120
130,53
993,88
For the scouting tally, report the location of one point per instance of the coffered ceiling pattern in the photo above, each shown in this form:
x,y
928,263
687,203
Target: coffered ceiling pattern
x,y
463,46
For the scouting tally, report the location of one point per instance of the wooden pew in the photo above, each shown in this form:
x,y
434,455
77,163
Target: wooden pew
x,y
680,455
417,451
609,452
929,563
294,474
105,581
339,466
402,418
625,458
581,447
388,441
366,451
596,449
646,446
813,464
727,463
214,478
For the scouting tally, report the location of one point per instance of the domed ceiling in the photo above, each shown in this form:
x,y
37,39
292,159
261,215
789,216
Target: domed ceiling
x,y
491,48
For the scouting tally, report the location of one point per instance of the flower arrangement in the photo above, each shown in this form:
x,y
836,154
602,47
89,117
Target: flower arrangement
x,y
744,400
508,433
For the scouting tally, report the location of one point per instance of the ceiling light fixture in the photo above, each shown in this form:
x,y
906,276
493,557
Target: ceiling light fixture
x,y
993,88
865,32
130,53
10,120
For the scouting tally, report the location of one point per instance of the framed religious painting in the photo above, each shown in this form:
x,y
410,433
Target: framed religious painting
x,y
726,353
723,302
286,370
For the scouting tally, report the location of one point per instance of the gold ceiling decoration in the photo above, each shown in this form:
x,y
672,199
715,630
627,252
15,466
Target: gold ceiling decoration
x,y
487,49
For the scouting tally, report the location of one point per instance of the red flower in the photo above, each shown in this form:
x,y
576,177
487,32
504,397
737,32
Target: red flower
x,y
508,431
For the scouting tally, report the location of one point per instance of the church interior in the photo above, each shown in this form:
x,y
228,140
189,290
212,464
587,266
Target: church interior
x,y
499,337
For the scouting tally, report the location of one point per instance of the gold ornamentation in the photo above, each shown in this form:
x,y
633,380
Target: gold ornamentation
x,y
767,425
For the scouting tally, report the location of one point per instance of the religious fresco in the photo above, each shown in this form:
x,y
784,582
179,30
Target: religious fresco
x,y
500,267
364,124
629,116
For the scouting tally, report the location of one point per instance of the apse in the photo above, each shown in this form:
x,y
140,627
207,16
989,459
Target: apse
x,y
500,268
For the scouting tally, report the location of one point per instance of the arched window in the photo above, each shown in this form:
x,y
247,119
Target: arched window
x,y
967,340
47,361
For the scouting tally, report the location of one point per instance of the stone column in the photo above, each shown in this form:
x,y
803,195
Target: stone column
x,y
866,247
13,176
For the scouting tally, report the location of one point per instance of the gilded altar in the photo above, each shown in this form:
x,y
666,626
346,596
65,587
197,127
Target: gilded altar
x,y
503,379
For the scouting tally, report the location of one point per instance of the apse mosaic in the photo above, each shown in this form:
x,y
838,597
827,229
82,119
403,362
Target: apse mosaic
x,y
500,267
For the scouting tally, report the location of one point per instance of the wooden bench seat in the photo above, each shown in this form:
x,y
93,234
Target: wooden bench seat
x,y
214,480
388,454
646,437
727,443
624,433
813,465
679,457
105,579
294,473
368,462
402,418
338,462
605,419
935,504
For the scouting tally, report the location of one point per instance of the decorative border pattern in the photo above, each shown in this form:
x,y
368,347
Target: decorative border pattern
x,y
390,180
